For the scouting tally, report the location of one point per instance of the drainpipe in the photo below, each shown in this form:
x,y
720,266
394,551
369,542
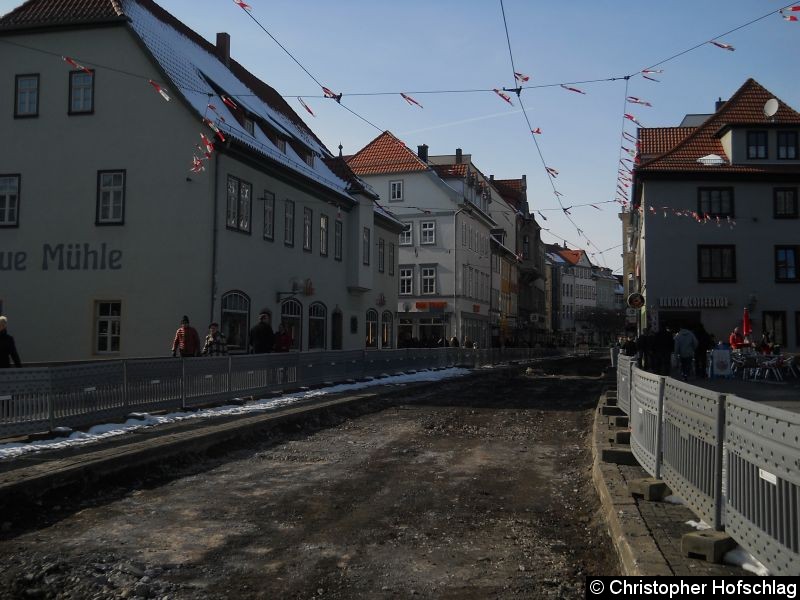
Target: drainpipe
x,y
455,270
214,237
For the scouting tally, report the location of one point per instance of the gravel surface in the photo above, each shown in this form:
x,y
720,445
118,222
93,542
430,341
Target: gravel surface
x,y
477,488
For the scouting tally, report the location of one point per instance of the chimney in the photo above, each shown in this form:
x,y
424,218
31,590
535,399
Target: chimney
x,y
422,152
224,48
719,104
491,178
459,156
524,183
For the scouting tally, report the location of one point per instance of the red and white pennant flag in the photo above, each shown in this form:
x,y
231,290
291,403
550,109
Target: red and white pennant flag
x,y
790,9
68,60
521,77
209,145
215,129
410,100
632,118
311,112
243,5
572,89
505,97
537,131
722,45
635,100
159,89
229,103
197,165
551,171
329,94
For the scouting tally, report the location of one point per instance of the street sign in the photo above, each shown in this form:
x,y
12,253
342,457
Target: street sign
x,y
636,300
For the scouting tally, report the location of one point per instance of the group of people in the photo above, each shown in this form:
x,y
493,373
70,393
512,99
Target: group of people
x,y
654,350
738,341
262,339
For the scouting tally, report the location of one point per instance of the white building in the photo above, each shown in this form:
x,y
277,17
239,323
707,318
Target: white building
x,y
444,254
107,238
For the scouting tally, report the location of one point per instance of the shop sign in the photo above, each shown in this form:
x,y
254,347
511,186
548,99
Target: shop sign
x,y
693,302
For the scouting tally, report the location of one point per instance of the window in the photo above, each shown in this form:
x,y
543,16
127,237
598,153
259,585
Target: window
x,y
428,280
407,235
787,145
372,328
81,92
756,144
110,198
715,202
307,217
775,326
107,327
526,247
391,260
366,249
235,319
381,255
463,234
387,338
288,223
427,233
395,191
785,204
716,263
309,158
9,200
269,216
337,240
249,126
26,96
292,319
317,325
406,281
238,214
786,263
323,235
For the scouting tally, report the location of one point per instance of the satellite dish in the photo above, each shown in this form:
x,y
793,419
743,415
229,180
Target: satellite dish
x,y
770,108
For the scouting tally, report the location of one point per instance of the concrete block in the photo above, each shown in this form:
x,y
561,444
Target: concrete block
x,y
622,437
618,456
619,421
650,489
709,545
611,411
139,416
611,400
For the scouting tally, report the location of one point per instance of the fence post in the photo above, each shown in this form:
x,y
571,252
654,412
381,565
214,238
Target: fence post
x,y
230,372
183,383
720,449
51,411
125,384
659,426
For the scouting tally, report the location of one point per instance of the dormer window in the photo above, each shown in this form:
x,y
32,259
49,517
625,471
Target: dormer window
x,y
756,145
249,126
787,145
309,158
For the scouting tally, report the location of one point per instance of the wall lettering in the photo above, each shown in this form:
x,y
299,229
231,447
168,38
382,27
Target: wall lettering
x,y
66,257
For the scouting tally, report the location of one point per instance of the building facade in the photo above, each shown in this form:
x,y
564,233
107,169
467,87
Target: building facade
x,y
716,219
121,210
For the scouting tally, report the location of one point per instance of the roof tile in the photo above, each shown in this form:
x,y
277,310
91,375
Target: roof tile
x,y
385,154
52,13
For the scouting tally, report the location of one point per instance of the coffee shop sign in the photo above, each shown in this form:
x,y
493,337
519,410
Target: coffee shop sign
x,y
693,302
64,257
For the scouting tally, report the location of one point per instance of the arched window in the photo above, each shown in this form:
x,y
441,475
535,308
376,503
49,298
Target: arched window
x,y
235,319
292,319
372,328
317,325
387,337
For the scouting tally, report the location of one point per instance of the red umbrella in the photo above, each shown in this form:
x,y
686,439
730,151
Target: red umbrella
x,y
747,326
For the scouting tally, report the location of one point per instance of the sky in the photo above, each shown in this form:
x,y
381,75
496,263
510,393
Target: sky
x,y
355,46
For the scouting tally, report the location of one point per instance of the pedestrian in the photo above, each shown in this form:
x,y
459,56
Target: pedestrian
x,y
262,338
283,341
663,345
454,342
215,343
736,339
186,341
704,344
629,347
644,350
685,346
8,350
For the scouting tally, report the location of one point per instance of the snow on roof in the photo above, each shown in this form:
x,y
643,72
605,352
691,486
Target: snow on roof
x,y
190,68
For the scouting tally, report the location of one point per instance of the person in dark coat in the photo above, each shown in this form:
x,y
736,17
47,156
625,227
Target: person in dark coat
x,y
262,338
644,348
8,350
663,345
704,344
283,341
629,347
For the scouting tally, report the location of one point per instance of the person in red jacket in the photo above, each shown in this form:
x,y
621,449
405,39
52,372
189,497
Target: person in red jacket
x,y
283,339
186,341
736,339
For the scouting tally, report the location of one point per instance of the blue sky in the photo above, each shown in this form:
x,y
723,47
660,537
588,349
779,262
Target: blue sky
x,y
356,46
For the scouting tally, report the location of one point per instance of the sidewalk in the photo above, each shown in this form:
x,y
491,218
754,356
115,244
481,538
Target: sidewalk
x,y
646,534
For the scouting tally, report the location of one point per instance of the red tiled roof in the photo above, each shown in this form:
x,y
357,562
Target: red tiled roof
x,y
746,106
657,140
385,154
53,13
512,190
455,171
573,257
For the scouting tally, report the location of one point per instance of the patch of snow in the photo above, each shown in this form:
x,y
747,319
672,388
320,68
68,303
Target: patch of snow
x,y
699,525
674,499
109,430
740,557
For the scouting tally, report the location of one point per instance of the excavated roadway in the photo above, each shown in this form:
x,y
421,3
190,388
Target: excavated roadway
x,y
470,489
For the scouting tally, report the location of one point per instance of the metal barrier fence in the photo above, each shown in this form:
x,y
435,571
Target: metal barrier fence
x,y
685,434
647,395
73,395
762,507
624,371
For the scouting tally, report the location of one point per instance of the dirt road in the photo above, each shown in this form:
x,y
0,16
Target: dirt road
x,y
475,489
